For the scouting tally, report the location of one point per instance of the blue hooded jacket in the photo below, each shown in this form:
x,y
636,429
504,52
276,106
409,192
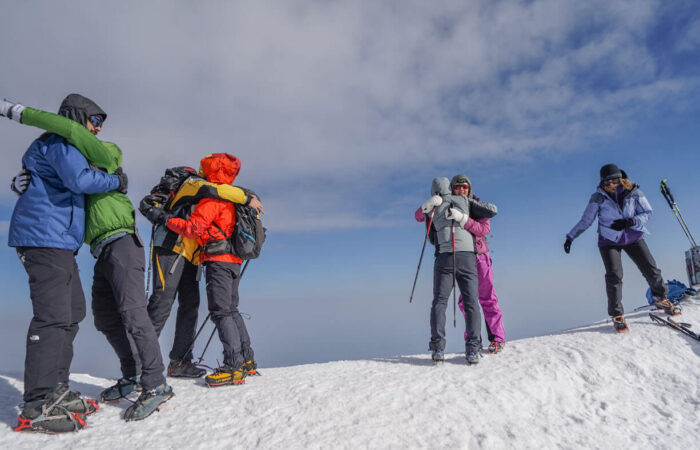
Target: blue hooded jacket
x,y
51,212
634,205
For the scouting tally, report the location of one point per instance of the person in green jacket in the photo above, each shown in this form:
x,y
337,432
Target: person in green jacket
x,y
118,297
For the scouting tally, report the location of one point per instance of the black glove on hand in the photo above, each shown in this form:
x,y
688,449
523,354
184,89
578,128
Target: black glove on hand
x,y
567,246
164,217
123,180
21,181
621,224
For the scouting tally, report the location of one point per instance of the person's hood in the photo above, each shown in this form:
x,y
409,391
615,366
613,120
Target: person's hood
x,y
220,168
79,108
440,186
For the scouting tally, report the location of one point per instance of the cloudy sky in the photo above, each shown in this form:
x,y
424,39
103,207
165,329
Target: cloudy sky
x,y
342,113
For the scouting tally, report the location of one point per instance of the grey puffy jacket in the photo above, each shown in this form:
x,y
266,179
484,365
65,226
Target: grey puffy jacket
x,y
464,240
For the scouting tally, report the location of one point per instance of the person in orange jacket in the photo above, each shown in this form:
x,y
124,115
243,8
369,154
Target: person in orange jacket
x,y
211,223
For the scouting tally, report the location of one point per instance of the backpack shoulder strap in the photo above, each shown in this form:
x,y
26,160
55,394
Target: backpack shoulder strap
x,y
222,231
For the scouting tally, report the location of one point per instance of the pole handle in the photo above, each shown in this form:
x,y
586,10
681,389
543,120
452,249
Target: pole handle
x,y
666,192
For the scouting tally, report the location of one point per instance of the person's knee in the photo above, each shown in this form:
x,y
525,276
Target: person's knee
x,y
613,277
105,321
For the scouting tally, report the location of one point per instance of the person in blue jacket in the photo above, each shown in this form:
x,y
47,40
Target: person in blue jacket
x,y
622,211
48,229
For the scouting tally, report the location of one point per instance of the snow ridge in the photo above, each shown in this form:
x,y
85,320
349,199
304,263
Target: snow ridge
x,y
583,388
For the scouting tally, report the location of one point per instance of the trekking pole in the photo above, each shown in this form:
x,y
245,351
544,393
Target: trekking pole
x,y
199,360
214,330
454,278
191,347
420,260
666,192
150,262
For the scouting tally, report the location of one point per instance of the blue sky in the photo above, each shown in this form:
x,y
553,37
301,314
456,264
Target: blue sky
x,y
342,114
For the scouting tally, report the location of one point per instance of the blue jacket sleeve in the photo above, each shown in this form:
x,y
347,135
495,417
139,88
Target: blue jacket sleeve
x,y
642,212
589,215
75,173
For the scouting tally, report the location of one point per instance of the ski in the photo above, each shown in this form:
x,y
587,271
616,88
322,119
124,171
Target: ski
x,y
675,325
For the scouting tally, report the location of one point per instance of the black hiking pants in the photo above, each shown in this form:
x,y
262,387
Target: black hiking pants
x,y
640,255
222,297
468,283
170,280
58,304
119,307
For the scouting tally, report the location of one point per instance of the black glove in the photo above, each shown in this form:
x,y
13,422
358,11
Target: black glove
x,y
123,180
21,181
164,217
567,246
621,224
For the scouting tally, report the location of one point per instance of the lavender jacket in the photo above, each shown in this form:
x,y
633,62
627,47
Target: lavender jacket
x,y
635,205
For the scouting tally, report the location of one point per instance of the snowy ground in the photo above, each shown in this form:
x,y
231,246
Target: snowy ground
x,y
582,388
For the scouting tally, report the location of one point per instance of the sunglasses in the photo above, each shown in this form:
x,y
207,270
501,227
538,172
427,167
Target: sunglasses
x,y
611,181
96,121
461,186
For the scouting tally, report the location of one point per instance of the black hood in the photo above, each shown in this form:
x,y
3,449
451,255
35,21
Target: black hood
x,y
79,108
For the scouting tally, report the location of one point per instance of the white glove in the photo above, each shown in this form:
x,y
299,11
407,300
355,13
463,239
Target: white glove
x,y
457,215
11,110
431,203
21,181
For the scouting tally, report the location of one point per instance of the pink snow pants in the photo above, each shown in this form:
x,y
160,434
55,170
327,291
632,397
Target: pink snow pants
x,y
487,298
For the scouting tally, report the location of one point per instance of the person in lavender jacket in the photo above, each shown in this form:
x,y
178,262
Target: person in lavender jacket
x,y
493,316
622,211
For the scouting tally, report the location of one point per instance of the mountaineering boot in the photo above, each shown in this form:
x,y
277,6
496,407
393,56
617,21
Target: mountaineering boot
x,y
225,375
496,347
184,369
620,324
668,307
472,357
148,402
73,401
124,387
47,416
438,356
250,368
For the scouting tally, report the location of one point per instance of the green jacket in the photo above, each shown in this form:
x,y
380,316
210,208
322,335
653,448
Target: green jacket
x,y
105,214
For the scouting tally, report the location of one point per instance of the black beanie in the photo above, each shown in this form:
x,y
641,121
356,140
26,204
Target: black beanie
x,y
610,171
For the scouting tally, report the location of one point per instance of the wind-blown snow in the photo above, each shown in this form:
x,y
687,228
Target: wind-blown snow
x,y
583,388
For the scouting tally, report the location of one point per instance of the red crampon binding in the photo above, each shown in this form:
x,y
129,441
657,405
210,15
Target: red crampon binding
x,y
23,424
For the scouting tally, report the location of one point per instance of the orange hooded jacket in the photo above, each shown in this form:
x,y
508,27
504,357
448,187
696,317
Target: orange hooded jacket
x,y
220,168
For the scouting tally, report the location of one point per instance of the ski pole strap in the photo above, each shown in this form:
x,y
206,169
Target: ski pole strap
x,y
176,262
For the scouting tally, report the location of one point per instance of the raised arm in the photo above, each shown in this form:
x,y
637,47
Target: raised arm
x,y
93,149
482,210
76,174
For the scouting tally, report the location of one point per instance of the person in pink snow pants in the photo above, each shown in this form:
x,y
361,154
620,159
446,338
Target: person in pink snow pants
x,y
488,299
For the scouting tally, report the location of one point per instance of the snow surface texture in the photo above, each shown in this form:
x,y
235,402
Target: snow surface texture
x,y
583,388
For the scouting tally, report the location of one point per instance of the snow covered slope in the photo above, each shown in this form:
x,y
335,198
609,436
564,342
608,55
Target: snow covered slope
x,y
582,388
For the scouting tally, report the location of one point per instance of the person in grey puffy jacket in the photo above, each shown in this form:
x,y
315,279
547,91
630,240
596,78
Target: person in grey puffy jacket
x,y
622,211
455,260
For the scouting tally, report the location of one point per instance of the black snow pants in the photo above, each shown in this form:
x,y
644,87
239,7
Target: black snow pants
x,y
639,253
468,283
170,280
58,304
119,307
222,297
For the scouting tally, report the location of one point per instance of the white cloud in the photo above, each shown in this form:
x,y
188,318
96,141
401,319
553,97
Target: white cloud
x,y
337,96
